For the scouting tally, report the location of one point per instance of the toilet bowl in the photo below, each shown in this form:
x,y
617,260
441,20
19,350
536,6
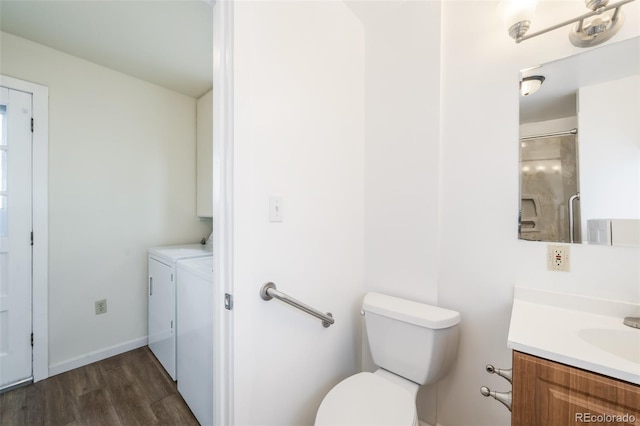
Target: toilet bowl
x,y
368,399
413,344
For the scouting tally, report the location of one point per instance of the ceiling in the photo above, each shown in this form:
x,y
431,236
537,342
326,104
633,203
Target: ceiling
x,y
168,43
557,95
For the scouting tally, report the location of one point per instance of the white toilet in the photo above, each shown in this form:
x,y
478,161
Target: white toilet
x,y
413,344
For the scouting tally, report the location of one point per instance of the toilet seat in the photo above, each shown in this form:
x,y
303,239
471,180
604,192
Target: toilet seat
x,y
367,399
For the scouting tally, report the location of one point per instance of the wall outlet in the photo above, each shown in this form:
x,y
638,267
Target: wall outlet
x,y
101,306
558,258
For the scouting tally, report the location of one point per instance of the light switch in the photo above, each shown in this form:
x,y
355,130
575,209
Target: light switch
x,y
275,209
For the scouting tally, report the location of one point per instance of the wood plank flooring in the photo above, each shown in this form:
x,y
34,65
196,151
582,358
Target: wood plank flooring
x,y
127,389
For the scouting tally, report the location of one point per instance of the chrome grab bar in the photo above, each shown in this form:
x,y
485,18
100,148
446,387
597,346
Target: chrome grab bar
x,y
269,291
571,218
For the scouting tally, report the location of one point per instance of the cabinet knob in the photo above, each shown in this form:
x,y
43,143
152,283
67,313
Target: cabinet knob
x,y
500,372
503,397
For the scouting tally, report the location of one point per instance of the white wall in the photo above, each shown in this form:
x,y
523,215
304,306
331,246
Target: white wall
x,y
121,180
548,126
481,258
610,155
299,134
402,58
402,149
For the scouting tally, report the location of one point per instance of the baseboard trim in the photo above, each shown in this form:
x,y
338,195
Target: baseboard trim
x,y
95,356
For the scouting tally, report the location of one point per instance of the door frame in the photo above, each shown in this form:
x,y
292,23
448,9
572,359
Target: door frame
x,y
40,222
223,108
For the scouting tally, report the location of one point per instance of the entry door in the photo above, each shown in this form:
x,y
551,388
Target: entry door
x,y
15,237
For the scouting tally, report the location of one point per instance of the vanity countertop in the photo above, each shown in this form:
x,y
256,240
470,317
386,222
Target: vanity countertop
x,y
580,331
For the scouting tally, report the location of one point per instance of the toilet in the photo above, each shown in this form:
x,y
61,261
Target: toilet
x,y
413,344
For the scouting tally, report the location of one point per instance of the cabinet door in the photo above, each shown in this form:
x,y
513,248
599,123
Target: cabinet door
x,y
552,394
162,309
204,159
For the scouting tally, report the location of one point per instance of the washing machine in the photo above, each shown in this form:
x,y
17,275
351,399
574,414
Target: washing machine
x,y
162,280
195,336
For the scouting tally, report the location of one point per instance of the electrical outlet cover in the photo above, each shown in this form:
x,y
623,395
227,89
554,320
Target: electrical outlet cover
x,y
101,306
558,258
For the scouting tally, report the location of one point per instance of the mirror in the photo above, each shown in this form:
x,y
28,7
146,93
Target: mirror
x,y
580,149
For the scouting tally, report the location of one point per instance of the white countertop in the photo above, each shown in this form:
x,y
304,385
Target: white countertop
x,y
580,331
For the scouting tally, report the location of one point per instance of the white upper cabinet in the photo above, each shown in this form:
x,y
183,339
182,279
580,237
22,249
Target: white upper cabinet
x,y
204,148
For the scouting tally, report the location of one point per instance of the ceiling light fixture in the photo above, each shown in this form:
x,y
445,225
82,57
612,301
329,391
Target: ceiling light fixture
x,y
529,85
590,29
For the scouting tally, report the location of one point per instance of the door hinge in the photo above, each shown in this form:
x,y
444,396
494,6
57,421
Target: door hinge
x,y
31,125
171,277
172,324
31,237
228,301
31,339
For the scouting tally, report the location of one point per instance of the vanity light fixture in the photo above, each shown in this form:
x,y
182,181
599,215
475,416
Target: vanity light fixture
x,y
529,85
590,29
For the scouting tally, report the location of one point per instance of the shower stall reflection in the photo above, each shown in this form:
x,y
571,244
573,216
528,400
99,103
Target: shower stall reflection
x,y
548,179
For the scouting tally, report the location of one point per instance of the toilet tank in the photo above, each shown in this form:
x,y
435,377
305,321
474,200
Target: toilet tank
x,y
414,340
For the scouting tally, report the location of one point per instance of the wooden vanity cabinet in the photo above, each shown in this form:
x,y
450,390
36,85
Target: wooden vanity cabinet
x,y
546,393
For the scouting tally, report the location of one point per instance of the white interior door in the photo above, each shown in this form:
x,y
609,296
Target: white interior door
x,y
15,237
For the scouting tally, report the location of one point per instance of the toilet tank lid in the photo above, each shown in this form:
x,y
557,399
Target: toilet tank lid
x,y
409,311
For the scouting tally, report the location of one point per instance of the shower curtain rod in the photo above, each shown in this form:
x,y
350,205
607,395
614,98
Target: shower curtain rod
x,y
550,135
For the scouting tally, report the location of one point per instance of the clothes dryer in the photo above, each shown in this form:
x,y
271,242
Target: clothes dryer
x,y
195,336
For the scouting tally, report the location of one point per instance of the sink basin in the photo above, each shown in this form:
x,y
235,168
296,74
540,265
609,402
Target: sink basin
x,y
624,344
576,330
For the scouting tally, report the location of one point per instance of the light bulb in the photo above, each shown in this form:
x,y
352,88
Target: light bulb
x,y
514,11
